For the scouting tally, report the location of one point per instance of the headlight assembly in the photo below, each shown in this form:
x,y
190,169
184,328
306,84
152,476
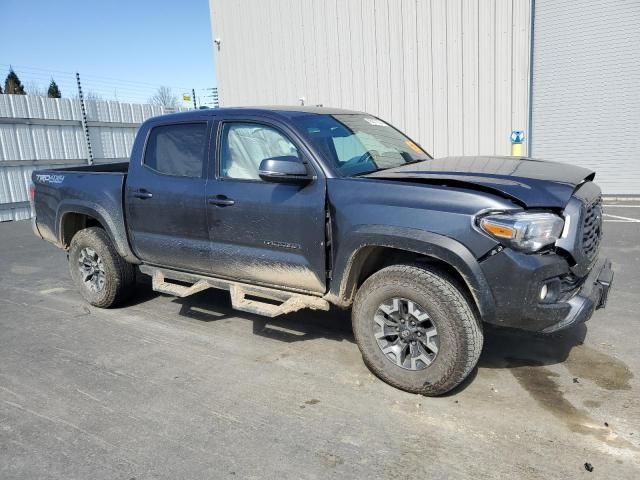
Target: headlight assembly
x,y
523,231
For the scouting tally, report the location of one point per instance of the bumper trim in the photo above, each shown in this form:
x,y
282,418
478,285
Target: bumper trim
x,y
592,296
605,279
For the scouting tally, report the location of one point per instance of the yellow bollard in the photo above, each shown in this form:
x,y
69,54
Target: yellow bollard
x,y
517,150
517,143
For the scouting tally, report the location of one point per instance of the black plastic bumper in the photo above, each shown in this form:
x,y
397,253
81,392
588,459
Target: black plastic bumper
x,y
592,295
516,280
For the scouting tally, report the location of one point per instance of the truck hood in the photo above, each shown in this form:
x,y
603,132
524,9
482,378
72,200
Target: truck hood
x,y
532,183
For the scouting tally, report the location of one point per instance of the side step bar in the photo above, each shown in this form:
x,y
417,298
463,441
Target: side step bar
x,y
281,302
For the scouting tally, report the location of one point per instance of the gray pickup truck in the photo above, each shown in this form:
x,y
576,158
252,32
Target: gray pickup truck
x,y
291,208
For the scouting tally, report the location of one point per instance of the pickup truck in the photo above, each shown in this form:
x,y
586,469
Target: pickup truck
x,y
298,207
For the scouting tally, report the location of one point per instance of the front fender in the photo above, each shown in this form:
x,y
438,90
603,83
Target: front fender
x,y
348,260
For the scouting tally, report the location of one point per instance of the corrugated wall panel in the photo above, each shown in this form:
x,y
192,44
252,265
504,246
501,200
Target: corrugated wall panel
x,y
440,112
453,74
62,144
586,78
410,68
381,8
425,75
487,78
503,77
470,46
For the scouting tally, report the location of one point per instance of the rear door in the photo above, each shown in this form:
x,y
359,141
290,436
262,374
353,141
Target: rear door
x,y
165,197
262,232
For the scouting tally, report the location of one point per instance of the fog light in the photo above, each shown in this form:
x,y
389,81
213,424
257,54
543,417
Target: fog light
x,y
543,292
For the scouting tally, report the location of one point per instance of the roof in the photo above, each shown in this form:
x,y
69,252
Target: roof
x,y
284,110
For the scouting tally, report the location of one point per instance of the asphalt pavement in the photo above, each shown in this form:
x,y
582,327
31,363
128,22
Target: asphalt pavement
x,y
188,388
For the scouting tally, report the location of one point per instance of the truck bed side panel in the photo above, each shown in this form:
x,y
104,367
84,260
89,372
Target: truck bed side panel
x,y
94,193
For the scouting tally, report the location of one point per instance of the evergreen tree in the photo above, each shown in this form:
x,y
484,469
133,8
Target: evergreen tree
x,y
0,89
54,91
13,84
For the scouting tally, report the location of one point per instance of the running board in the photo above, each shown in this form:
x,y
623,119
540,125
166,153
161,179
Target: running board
x,y
161,285
281,302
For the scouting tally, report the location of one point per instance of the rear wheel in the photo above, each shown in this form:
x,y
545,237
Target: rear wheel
x,y
416,330
103,277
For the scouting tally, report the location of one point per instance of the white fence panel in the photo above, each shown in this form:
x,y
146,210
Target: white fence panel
x,y
40,132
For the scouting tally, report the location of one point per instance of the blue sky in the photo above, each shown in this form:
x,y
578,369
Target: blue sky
x,y
123,49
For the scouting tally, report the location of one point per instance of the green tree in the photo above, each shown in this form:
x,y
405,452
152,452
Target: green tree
x,y
54,91
13,85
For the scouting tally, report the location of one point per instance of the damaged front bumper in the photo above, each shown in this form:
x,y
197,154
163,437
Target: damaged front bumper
x,y
517,281
592,295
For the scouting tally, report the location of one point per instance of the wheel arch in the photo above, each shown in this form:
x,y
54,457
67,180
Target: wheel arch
x,y
73,217
372,248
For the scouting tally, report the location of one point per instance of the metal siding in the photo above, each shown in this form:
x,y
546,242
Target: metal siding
x,y
296,61
63,144
520,72
486,78
410,68
440,111
586,73
470,47
382,59
358,54
454,77
503,78
425,75
453,74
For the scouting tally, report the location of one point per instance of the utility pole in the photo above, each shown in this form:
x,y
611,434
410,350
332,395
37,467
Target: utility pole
x,y
193,92
85,126
213,91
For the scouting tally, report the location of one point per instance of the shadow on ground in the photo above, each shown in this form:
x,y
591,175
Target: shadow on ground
x,y
503,348
213,305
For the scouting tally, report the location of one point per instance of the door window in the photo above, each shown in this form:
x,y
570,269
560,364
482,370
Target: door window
x,y
177,150
246,145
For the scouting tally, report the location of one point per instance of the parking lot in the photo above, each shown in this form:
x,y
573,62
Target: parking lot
x,y
188,388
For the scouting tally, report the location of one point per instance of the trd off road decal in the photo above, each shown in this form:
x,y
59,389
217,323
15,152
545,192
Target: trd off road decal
x,y
46,178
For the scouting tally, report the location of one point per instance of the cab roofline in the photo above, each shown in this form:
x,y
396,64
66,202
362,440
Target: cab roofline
x,y
287,111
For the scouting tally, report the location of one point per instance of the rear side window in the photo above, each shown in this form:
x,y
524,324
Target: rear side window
x,y
177,149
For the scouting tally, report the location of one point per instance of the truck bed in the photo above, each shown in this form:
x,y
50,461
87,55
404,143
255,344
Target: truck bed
x,y
120,167
94,190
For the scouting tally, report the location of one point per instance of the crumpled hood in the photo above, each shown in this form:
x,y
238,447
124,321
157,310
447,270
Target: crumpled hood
x,y
534,183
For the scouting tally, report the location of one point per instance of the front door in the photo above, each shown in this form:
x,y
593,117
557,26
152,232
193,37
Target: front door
x,y
166,206
262,232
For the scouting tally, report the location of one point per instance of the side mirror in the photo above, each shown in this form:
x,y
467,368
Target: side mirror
x,y
284,169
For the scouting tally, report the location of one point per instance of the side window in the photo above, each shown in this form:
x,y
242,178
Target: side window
x,y
245,145
177,149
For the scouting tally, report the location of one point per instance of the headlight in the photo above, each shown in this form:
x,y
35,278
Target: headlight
x,y
524,231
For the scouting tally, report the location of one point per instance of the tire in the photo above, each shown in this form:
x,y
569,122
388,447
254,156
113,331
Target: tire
x,y
452,349
117,278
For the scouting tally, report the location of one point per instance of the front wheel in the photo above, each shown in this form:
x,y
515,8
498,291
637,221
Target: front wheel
x,y
103,277
416,331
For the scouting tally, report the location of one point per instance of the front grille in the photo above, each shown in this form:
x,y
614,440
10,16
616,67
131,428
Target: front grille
x,y
592,228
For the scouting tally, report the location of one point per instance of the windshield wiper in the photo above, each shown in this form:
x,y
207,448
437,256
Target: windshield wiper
x,y
415,160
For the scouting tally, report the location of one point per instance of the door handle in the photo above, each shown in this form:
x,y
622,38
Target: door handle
x,y
221,201
142,194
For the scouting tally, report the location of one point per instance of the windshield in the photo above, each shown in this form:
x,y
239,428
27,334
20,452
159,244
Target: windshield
x,y
357,144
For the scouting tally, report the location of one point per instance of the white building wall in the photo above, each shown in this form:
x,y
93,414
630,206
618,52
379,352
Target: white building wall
x,y
586,88
452,73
